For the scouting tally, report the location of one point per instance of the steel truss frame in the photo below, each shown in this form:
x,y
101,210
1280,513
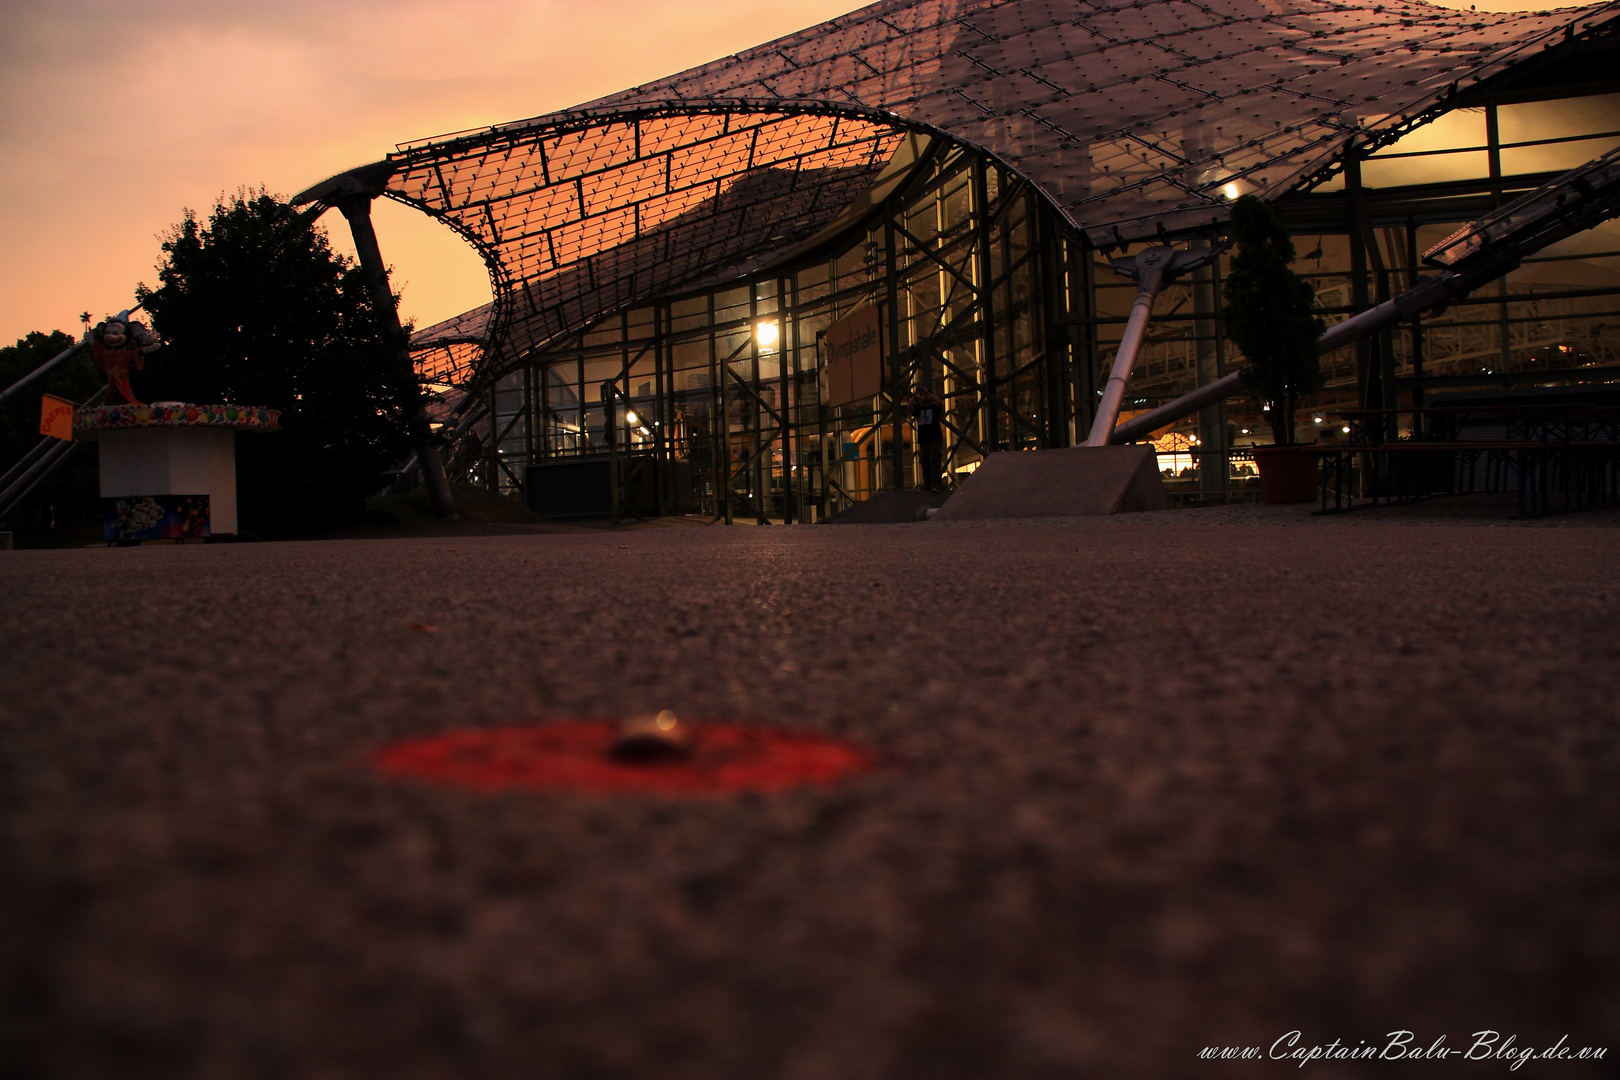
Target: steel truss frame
x,y
785,459
958,291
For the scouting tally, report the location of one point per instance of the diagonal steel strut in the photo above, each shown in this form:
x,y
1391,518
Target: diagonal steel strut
x,y
1152,270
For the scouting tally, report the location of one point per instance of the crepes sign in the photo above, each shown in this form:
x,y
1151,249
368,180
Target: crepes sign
x,y
56,417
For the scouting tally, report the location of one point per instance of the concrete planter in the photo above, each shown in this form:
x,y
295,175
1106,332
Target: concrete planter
x,y
1287,474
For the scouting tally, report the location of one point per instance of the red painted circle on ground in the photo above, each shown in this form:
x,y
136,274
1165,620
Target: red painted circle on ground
x,y
573,756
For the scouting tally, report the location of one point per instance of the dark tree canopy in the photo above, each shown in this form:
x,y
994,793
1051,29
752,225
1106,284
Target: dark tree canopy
x,y
255,308
1269,315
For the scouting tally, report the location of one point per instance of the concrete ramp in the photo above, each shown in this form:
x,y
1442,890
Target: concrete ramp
x,y
890,508
1077,482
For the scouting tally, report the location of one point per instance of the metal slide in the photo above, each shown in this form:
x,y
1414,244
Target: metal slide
x,y
22,478
26,475
45,368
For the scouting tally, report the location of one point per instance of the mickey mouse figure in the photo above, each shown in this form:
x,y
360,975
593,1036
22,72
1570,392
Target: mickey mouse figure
x,y
117,343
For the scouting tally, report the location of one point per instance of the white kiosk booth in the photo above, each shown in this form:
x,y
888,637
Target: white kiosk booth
x,y
168,470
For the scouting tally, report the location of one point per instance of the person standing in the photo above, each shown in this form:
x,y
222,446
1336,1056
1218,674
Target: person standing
x,y
927,416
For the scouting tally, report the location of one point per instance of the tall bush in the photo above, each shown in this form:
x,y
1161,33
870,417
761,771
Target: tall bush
x,y
1269,316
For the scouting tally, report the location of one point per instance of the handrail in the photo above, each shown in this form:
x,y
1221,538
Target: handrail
x,y
22,478
59,358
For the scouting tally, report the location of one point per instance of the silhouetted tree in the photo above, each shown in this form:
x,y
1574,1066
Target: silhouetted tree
x,y
255,308
1268,315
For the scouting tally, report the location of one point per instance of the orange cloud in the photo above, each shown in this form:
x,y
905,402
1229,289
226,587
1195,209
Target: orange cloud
x,y
114,117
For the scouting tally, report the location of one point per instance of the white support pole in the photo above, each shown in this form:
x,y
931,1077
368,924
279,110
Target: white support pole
x,y
1150,267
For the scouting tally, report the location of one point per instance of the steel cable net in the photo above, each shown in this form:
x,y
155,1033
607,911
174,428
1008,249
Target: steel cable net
x,y
447,363
1127,115
581,216
448,353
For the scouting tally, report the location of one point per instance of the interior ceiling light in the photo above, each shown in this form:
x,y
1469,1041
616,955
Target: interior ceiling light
x,y
766,333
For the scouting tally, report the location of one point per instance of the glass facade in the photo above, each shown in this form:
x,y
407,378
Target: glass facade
x,y
987,299
724,390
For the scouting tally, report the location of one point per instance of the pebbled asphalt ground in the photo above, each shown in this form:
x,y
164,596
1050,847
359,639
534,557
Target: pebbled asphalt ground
x,y
1152,783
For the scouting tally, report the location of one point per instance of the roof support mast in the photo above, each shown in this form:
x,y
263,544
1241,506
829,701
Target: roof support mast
x,y
1152,270
356,208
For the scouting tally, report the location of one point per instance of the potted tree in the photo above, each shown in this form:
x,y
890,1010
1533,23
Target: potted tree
x,y
1268,316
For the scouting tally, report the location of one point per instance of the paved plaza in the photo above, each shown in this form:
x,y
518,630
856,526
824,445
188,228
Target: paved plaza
x,y
1149,784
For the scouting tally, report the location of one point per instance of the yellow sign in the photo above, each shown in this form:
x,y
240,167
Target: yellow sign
x,y
56,417
854,357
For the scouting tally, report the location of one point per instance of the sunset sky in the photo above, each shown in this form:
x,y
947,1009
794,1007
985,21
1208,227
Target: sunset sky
x,y
115,115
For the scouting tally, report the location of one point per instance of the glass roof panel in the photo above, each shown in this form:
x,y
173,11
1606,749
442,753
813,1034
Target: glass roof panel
x,y
1242,72
450,352
1127,115
579,215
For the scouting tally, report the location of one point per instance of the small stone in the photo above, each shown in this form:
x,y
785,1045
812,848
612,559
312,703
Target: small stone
x,y
650,738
